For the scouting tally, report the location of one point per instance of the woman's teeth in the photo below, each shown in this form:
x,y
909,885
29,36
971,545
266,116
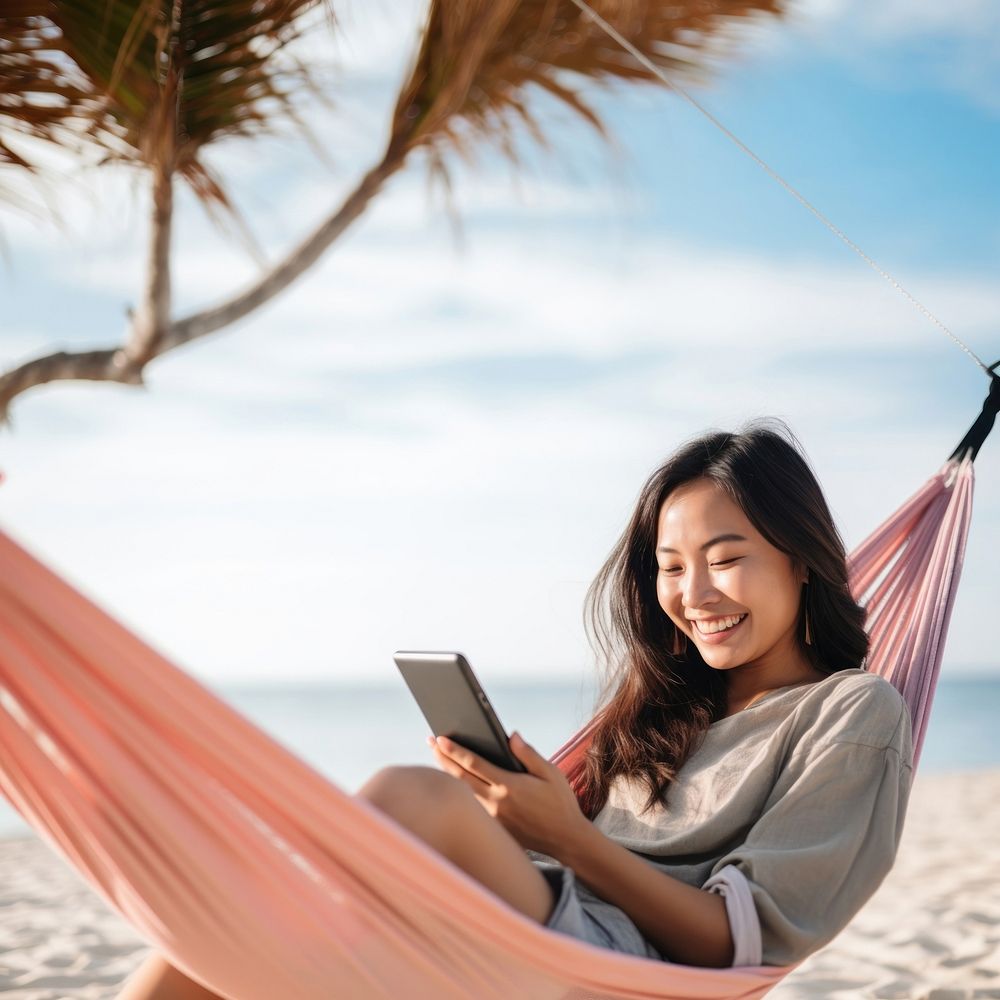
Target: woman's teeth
x,y
720,625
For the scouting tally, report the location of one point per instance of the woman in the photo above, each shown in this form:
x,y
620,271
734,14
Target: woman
x,y
744,791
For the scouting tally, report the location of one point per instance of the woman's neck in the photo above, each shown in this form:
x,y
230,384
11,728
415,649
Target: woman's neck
x,y
744,689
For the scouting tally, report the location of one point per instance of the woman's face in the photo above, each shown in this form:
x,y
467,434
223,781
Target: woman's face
x,y
722,568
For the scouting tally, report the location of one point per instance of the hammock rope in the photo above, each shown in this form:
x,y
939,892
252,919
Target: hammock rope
x,y
656,71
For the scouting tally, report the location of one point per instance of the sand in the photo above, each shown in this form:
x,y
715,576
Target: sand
x,y
930,932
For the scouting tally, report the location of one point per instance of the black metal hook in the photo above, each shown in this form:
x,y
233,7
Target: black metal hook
x,y
979,431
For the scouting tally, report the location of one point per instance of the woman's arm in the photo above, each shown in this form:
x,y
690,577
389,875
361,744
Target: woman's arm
x,y
684,923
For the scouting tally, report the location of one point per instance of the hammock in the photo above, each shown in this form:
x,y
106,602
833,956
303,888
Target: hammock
x,y
258,878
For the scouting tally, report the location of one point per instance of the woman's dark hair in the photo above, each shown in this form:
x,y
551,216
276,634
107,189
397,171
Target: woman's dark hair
x,y
654,706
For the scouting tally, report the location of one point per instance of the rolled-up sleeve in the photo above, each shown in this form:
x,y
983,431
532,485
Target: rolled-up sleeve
x,y
744,925
824,843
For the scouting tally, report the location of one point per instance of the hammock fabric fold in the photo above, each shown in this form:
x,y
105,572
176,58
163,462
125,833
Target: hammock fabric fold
x,y
259,878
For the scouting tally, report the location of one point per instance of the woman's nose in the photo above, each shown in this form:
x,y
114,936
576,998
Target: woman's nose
x,y
698,590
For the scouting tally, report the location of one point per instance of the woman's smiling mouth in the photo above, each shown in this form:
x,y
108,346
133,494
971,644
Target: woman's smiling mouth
x,y
719,629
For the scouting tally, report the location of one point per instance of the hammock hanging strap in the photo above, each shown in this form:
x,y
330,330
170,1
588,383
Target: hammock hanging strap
x,y
980,430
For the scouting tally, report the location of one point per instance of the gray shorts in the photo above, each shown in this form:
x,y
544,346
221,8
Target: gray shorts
x,y
581,914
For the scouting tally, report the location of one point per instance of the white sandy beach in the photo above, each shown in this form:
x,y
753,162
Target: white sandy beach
x,y
931,932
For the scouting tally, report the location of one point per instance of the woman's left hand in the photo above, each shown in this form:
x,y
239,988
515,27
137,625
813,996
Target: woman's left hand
x,y
539,809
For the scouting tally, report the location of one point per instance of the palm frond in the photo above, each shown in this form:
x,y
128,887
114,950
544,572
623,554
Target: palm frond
x,y
479,58
41,91
154,82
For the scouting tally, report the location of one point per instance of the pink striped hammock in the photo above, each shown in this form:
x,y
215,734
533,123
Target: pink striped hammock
x,y
260,879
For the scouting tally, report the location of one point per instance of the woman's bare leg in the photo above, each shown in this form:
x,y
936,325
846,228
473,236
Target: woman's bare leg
x,y
441,811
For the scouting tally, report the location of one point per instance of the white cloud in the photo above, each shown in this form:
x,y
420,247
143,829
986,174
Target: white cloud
x,y
900,43
892,20
397,291
417,301
368,39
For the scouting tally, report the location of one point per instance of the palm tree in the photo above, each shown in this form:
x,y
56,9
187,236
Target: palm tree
x,y
154,83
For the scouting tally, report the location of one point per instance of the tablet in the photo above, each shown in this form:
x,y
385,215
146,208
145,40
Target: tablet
x,y
455,705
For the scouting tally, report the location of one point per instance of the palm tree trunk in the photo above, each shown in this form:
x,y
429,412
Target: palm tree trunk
x,y
295,264
152,318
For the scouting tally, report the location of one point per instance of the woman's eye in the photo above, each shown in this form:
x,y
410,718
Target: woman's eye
x,y
720,562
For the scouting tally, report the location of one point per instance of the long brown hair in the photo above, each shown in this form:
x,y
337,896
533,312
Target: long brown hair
x,y
654,706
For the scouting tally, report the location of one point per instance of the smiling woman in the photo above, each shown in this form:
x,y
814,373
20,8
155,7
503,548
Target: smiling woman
x,y
728,590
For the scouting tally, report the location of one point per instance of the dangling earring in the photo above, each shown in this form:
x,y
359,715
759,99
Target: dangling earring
x,y
804,596
680,642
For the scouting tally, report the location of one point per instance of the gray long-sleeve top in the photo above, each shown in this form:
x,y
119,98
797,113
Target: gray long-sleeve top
x,y
793,808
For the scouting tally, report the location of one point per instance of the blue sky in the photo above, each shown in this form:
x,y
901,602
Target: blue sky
x,y
433,444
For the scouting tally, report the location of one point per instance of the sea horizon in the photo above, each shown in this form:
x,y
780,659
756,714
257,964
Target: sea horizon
x,y
348,729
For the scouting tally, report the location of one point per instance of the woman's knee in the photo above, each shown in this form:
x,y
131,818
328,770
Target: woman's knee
x,y
443,812
415,794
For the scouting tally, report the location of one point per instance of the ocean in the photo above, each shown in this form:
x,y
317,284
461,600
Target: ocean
x,y
347,731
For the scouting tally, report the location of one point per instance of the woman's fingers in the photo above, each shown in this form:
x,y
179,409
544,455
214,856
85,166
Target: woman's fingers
x,y
486,772
477,784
